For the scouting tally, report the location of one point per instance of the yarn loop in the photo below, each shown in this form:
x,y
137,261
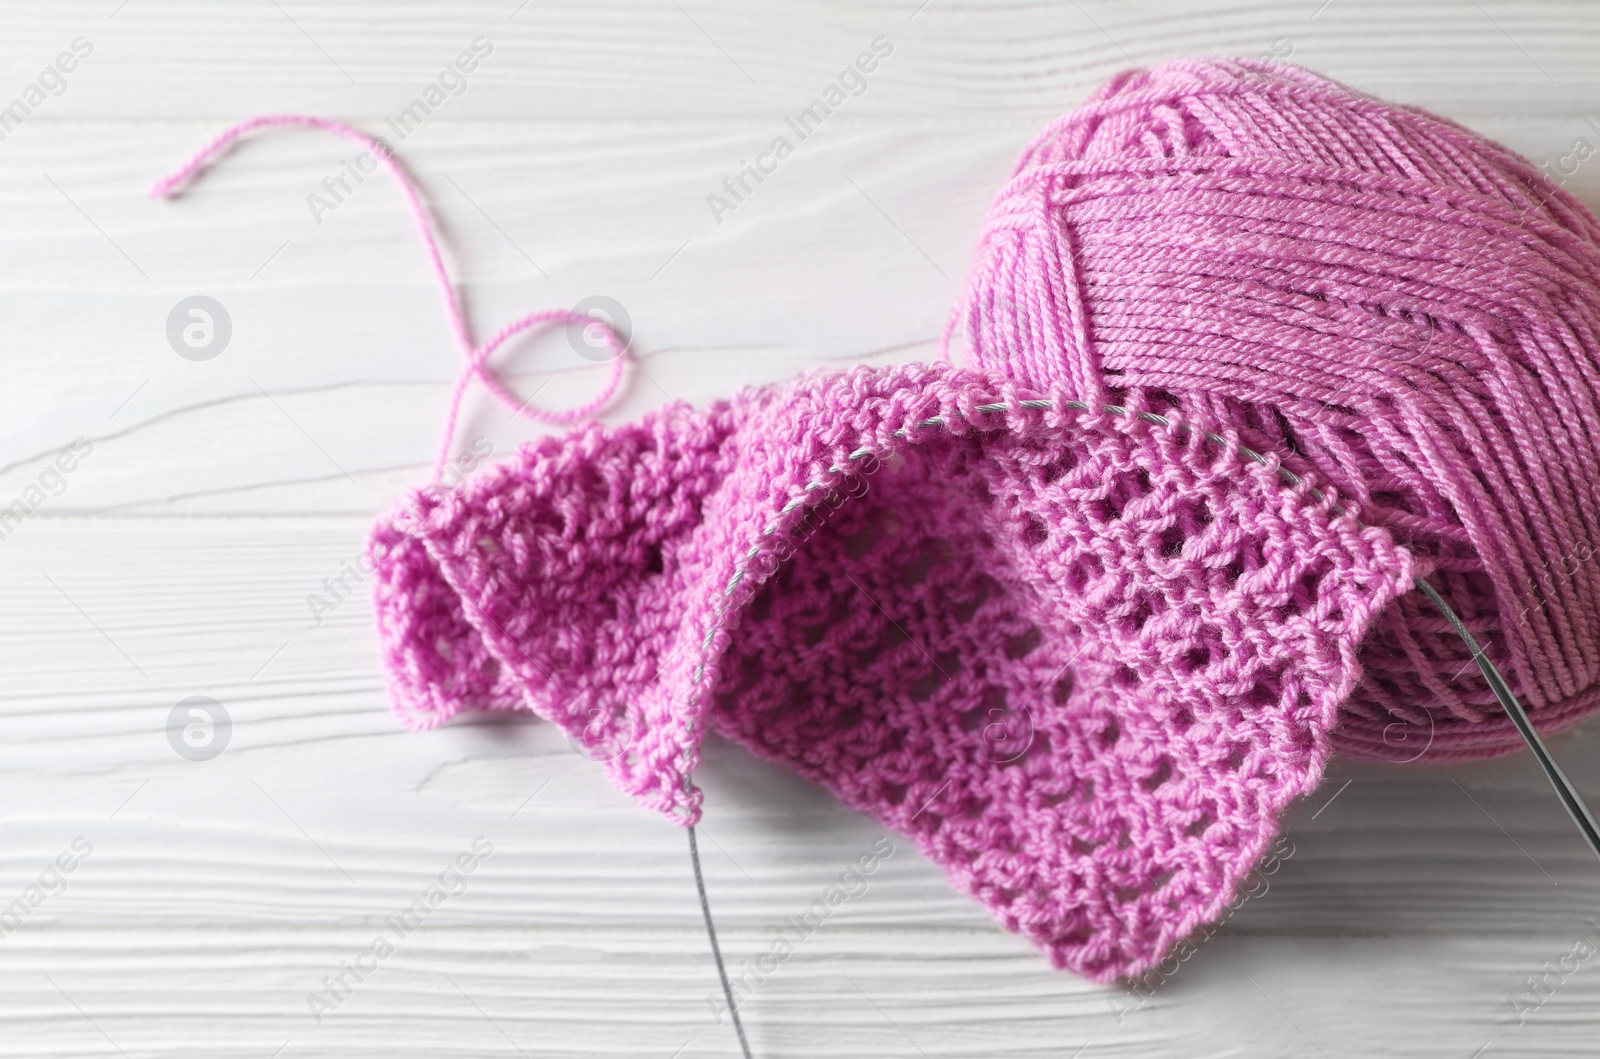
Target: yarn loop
x,y
476,356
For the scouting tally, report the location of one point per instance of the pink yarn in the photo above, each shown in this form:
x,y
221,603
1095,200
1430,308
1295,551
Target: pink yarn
x,y
475,355
1057,618
1082,654
1386,300
1049,618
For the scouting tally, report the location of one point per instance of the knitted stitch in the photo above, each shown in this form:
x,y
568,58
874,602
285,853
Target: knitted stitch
x,y
1375,294
1083,660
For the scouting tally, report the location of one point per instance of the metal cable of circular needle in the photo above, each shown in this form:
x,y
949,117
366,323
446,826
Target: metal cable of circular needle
x,y
716,950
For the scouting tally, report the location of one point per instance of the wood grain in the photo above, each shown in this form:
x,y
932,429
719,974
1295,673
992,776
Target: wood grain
x,y
177,559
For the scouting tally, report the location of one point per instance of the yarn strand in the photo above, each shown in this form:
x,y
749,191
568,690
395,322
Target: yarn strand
x,y
472,353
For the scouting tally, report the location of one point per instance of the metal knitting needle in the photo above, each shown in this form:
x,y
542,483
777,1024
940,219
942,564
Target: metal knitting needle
x,y
1508,700
716,950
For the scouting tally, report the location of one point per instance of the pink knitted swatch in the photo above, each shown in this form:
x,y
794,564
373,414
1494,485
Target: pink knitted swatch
x,y
1083,660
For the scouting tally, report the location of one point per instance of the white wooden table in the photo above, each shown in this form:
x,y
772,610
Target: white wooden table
x,y
178,555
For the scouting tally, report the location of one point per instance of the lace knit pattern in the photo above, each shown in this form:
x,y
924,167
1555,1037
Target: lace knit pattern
x,y
1083,659
1381,297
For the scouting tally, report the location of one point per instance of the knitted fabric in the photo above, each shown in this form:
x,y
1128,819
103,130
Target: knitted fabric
x,y
1379,296
1082,659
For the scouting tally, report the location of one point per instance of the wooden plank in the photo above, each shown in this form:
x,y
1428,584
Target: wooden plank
x,y
633,58
476,992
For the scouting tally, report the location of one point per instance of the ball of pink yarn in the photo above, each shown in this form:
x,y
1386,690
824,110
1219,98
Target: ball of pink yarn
x,y
1390,303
